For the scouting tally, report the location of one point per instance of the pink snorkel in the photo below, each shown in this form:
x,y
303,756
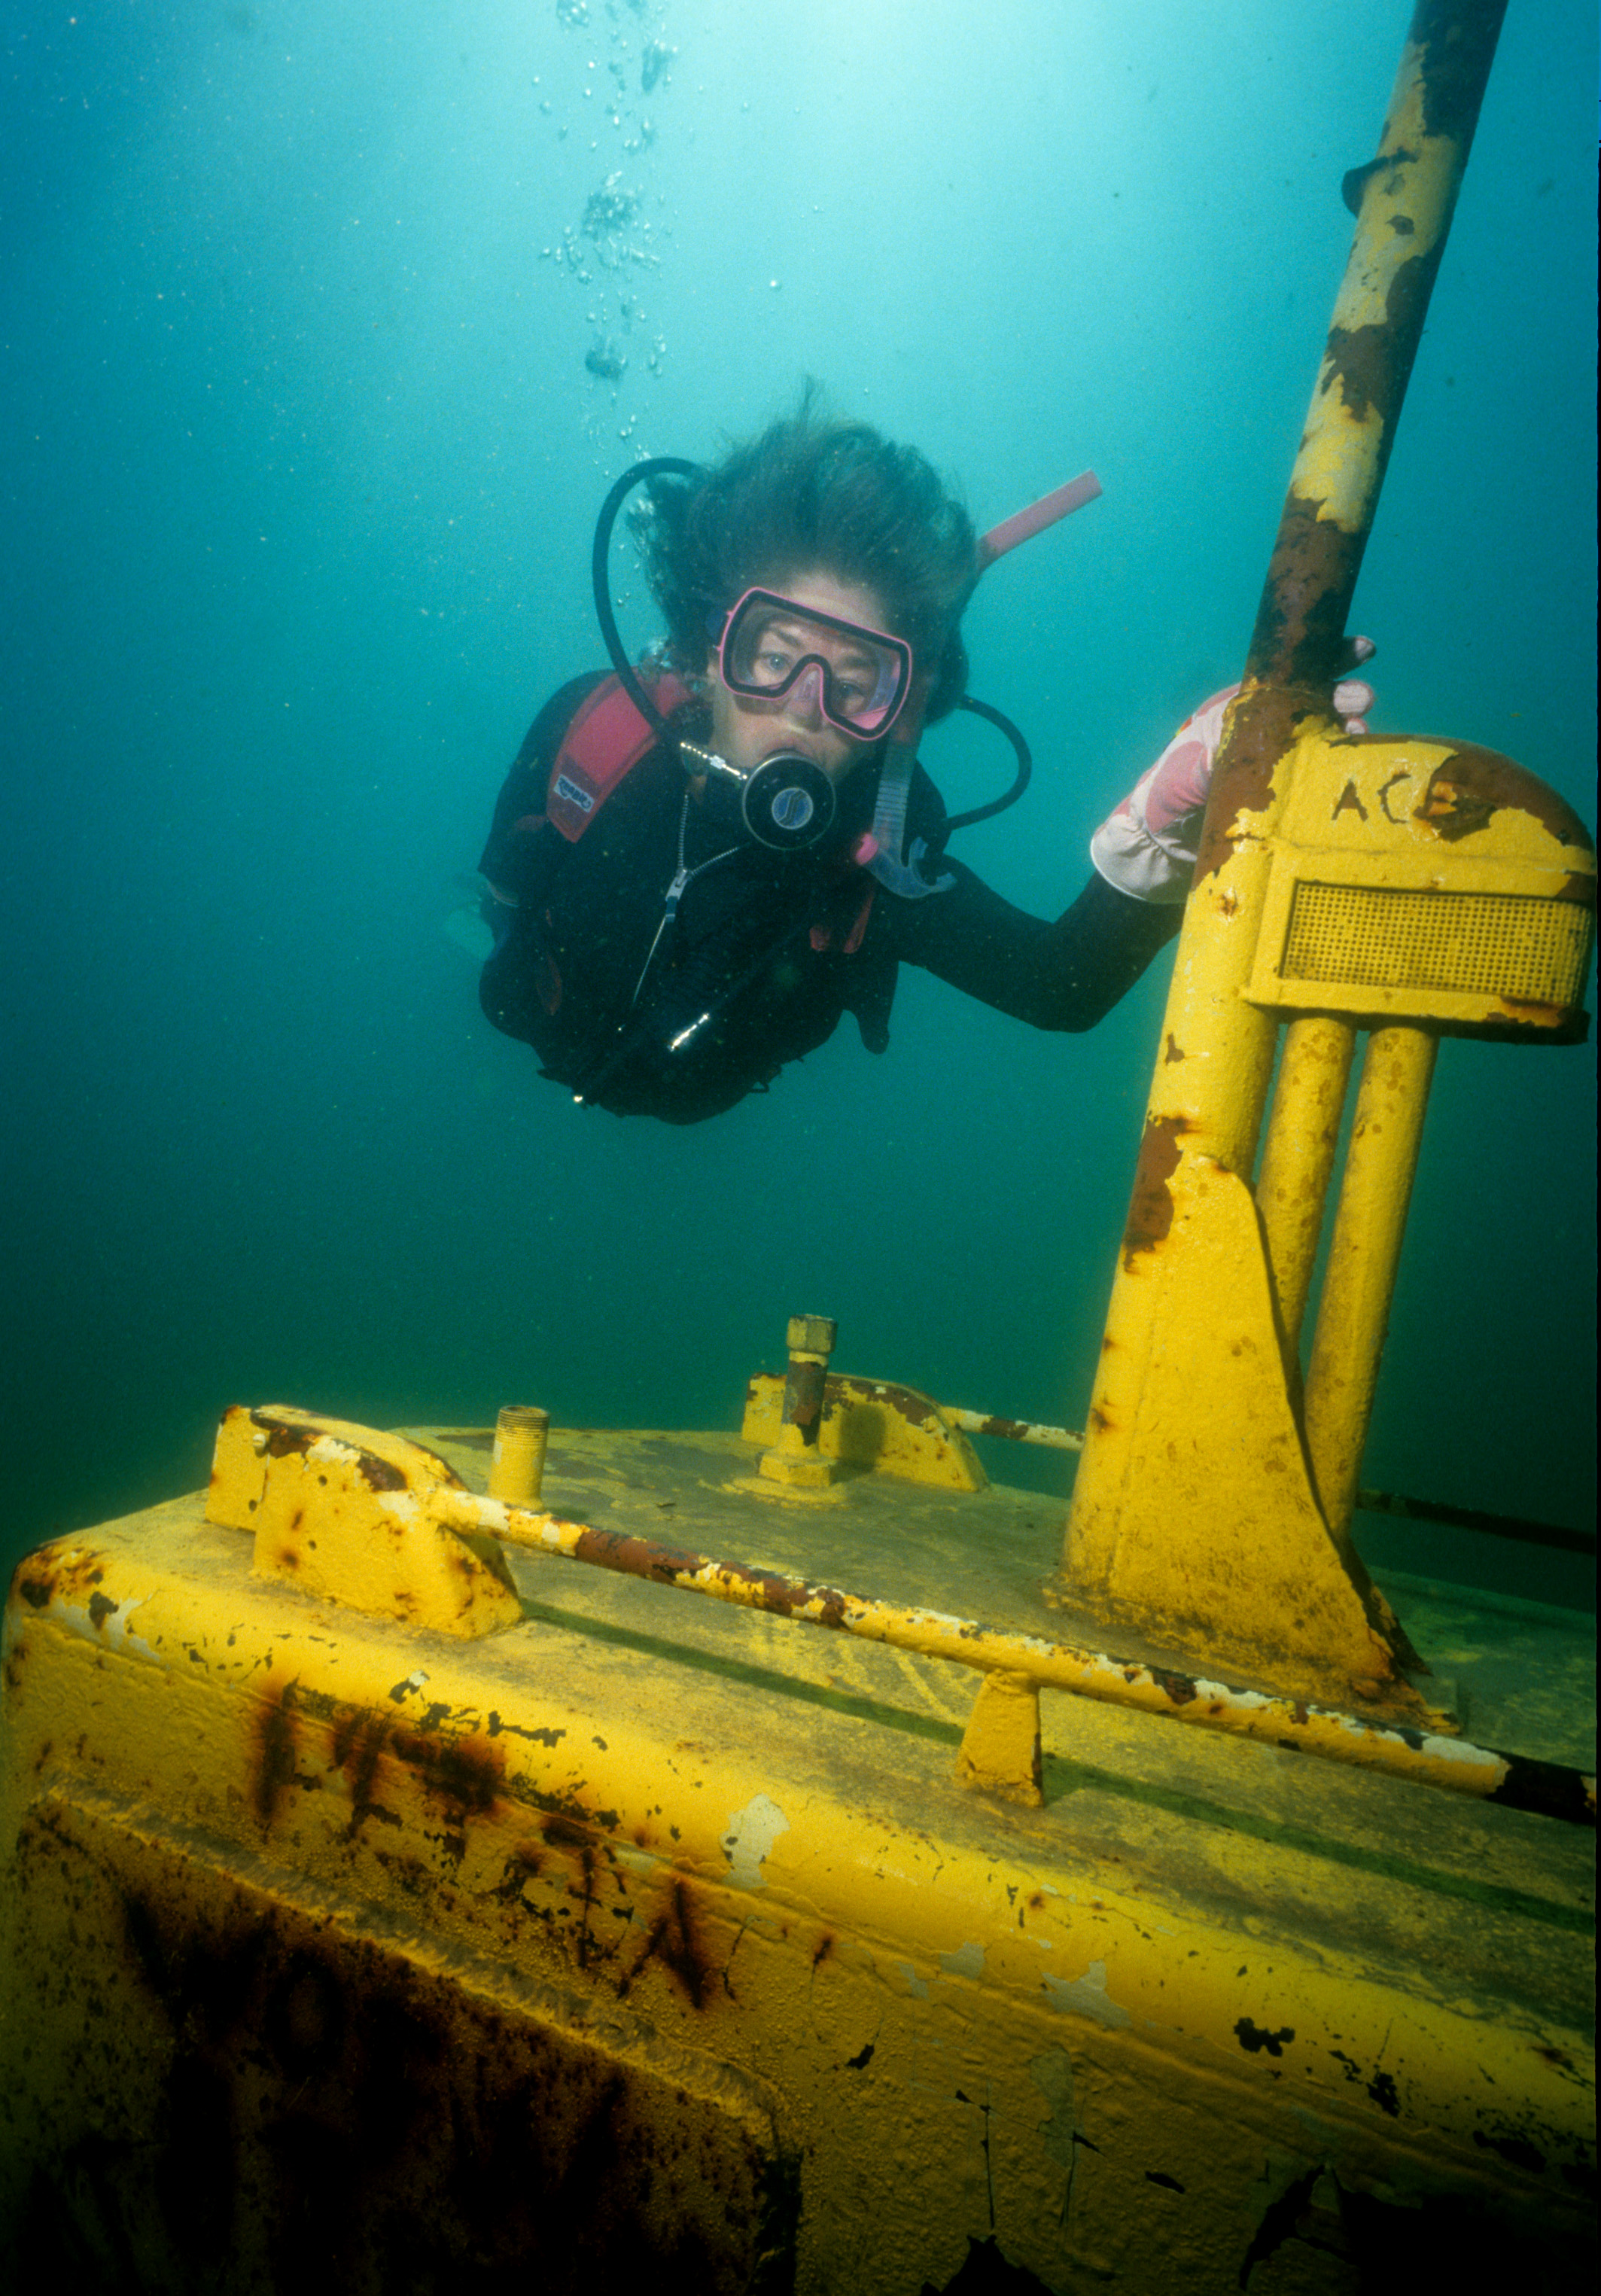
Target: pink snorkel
x,y
881,848
1024,524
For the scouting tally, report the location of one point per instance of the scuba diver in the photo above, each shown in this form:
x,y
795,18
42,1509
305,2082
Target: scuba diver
x,y
698,864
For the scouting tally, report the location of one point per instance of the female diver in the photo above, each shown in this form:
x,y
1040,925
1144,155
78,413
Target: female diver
x,y
697,867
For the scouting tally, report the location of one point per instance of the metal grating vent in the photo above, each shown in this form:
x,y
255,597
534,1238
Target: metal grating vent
x,y
1514,945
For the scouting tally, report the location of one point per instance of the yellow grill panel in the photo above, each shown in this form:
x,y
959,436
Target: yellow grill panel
x,y
1513,945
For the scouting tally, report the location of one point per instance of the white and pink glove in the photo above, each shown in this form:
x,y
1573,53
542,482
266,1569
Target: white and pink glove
x,y
1148,846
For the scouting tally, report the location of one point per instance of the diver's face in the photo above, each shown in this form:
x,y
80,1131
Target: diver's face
x,y
745,730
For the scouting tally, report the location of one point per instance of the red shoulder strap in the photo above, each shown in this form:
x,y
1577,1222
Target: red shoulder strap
x,y
607,738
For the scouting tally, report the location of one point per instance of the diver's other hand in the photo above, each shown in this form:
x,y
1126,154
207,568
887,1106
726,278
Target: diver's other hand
x,y
1146,847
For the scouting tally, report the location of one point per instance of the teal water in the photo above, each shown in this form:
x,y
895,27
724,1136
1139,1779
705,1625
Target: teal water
x,y
302,458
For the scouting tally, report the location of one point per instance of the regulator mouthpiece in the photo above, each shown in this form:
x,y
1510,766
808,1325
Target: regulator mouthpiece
x,y
786,803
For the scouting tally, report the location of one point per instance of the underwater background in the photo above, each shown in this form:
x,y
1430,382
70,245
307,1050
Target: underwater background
x,y
327,324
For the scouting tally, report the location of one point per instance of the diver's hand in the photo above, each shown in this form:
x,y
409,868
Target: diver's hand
x,y
1148,846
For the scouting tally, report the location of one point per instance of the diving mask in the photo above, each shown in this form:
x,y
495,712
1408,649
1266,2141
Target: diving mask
x,y
769,642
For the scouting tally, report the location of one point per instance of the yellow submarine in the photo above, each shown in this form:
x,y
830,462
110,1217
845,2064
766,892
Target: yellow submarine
x,y
428,1863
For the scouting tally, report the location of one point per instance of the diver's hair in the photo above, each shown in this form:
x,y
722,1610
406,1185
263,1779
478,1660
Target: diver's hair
x,y
813,493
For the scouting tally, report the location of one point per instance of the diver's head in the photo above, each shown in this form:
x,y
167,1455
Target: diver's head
x,y
814,509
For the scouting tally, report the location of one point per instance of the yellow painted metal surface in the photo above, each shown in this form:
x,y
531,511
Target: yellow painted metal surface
x,y
875,1426
1206,1504
373,1543
675,1917
1407,205
1424,881
1353,1312
1298,1158
345,1524
1000,1750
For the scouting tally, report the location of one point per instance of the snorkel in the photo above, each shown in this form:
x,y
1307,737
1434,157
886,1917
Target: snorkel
x,y
897,870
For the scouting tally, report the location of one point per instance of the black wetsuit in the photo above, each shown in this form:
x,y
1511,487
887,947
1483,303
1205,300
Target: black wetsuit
x,y
767,950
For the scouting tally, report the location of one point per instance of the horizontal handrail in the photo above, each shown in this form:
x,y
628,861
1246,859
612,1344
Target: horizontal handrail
x,y
1401,1750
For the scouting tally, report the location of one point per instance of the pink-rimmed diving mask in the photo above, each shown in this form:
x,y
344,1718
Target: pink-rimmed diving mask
x,y
769,642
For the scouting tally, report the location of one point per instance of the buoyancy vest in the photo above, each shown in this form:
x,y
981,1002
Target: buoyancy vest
x,y
607,738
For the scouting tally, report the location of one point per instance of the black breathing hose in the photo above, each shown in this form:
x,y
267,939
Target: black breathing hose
x,y
601,574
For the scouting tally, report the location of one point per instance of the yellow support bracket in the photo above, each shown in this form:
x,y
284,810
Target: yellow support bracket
x,y
875,1427
343,1511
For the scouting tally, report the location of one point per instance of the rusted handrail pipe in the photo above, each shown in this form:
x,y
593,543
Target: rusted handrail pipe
x,y
1402,1751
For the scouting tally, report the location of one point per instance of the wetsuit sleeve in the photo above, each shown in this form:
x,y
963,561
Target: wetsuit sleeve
x,y
1066,975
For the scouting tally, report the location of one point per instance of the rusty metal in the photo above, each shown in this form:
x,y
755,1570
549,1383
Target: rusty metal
x,y
336,1953
870,1426
1193,1514
795,1457
364,1486
1011,1431
1425,1756
1298,647
810,1339
1521,1527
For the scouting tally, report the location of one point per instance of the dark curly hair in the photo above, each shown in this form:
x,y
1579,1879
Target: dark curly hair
x,y
814,493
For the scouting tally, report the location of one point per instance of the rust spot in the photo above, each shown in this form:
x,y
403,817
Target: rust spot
x,y
35,1592
1254,2039
288,1558
673,1941
1037,1902
1266,720
642,1558
1151,1207
1227,906
1534,1014
359,1739
283,1441
378,1475
276,1752
824,1947
1179,1688
1175,1050
1473,783
468,1775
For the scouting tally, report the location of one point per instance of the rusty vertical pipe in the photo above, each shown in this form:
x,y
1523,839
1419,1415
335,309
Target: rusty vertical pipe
x,y
1406,197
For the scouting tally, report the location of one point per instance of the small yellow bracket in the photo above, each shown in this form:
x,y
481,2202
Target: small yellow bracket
x,y
1000,1753
342,1512
874,1427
